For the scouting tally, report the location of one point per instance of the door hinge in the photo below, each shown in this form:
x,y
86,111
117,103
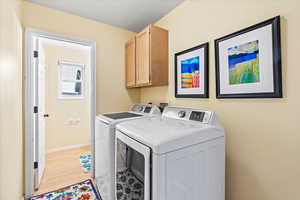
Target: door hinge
x,y
35,54
35,165
35,109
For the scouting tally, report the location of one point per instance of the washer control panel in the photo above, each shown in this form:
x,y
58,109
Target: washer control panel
x,y
145,108
138,108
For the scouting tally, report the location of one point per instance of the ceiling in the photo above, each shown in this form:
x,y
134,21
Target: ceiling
x,y
132,15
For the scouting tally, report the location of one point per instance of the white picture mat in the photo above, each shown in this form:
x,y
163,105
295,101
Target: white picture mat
x,y
67,73
188,91
266,84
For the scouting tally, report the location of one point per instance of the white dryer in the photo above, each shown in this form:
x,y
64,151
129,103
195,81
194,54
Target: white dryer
x,y
180,156
105,144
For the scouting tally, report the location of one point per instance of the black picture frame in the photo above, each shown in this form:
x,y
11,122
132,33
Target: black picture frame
x,y
205,46
277,73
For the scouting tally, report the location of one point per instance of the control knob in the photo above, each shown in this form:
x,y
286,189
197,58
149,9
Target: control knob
x,y
181,114
140,108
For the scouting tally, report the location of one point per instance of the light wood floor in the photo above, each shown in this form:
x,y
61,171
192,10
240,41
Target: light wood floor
x,y
63,169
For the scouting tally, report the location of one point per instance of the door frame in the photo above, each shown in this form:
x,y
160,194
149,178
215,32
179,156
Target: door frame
x,y
30,33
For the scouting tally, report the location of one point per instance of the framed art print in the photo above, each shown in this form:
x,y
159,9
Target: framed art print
x,y
191,72
248,62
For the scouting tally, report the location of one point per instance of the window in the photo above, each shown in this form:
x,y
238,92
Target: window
x,y
71,80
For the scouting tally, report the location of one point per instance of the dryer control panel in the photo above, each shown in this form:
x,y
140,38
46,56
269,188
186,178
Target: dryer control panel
x,y
197,116
202,116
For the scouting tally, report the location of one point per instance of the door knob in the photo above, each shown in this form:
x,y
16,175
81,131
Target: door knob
x,y
46,115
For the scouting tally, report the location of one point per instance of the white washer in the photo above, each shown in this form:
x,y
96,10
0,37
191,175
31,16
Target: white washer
x,y
178,156
105,146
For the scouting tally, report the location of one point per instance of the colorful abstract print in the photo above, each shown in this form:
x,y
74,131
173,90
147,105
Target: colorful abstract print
x,y
244,63
190,74
81,191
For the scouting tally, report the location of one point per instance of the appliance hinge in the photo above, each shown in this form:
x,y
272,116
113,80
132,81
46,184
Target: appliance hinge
x,y
35,109
35,165
35,54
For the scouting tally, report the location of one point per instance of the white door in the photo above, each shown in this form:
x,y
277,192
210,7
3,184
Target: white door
x,y
40,115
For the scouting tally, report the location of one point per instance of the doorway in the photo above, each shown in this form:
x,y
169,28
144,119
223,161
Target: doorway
x,y
60,110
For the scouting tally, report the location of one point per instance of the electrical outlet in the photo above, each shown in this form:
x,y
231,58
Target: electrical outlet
x,y
77,121
72,121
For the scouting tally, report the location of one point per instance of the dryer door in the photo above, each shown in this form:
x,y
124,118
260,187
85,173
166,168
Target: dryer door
x,y
132,169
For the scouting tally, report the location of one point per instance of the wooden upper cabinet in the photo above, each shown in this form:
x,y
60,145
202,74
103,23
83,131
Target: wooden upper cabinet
x,y
142,41
130,63
151,58
159,56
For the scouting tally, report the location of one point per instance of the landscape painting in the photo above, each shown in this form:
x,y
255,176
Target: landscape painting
x,y
190,73
244,63
248,62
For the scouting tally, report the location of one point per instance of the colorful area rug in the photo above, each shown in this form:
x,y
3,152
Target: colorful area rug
x,y
85,162
84,190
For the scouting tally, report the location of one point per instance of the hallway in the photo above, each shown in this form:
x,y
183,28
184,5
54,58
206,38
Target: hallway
x,y
63,169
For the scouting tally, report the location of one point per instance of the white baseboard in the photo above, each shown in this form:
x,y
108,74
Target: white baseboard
x,y
67,148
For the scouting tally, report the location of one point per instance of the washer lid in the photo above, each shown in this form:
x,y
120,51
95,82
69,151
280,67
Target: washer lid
x,y
114,118
121,115
137,111
164,134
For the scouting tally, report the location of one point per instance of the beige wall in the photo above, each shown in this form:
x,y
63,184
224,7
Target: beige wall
x,y
262,149
262,134
11,158
111,92
62,127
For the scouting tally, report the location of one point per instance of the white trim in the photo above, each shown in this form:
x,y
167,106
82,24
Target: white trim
x,y
29,158
65,62
64,44
35,62
75,146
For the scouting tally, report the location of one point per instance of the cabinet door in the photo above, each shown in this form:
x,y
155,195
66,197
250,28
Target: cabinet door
x,y
130,63
143,57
